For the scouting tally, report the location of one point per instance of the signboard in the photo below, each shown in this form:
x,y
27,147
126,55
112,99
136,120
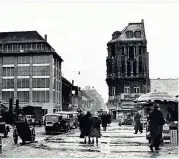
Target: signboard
x,y
131,96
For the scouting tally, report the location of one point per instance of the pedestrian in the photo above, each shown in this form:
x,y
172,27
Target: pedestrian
x,y
172,115
81,123
120,119
138,124
156,122
95,123
104,119
86,126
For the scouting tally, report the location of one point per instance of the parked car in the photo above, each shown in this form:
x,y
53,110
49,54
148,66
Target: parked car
x,y
60,121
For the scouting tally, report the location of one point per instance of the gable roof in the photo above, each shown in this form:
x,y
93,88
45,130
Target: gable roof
x,y
20,36
131,27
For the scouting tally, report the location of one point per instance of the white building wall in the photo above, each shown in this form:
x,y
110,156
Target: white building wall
x,y
169,86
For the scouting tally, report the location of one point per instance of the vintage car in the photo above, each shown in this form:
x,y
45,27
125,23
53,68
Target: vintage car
x,y
4,129
22,129
60,121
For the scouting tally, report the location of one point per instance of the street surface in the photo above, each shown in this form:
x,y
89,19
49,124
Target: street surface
x,y
115,142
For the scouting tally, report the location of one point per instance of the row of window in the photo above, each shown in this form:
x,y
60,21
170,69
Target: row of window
x,y
23,96
25,47
24,83
127,90
131,51
26,59
25,71
58,97
128,69
131,34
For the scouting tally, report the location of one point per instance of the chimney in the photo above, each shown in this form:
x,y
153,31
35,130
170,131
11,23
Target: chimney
x,y
142,21
45,37
73,82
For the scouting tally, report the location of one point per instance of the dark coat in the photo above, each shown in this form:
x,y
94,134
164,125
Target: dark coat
x,y
138,125
80,120
104,119
156,121
95,123
86,124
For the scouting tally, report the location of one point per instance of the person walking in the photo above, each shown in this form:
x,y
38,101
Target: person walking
x,y
137,125
95,123
156,122
104,119
81,123
86,126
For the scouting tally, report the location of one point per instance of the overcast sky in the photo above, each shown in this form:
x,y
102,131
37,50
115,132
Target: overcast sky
x,y
79,32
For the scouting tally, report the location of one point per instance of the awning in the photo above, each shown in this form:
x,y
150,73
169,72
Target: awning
x,y
155,96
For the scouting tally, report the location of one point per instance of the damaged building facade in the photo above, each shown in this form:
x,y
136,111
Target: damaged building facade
x,y
127,67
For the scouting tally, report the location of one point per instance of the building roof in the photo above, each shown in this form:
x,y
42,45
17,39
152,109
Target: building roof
x,y
131,27
66,82
20,36
24,37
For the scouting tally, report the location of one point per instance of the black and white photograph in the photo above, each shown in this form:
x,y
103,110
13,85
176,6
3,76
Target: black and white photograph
x,y
89,78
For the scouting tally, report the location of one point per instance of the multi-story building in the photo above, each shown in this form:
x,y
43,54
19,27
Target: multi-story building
x,y
169,86
30,70
67,88
127,66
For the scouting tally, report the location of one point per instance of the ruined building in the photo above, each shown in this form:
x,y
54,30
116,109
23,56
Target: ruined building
x,y
127,66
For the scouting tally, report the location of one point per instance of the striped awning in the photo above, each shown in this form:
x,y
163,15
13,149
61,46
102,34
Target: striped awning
x,y
155,96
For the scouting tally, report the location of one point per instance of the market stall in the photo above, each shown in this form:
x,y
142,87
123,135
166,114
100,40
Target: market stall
x,y
170,129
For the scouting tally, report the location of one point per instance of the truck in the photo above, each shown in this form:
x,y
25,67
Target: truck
x,y
33,114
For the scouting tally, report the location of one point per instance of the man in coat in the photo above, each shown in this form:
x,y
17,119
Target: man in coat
x,y
138,125
156,122
95,123
104,119
86,126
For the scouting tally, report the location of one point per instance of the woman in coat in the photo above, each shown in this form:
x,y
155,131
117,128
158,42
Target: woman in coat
x,y
95,123
104,119
86,126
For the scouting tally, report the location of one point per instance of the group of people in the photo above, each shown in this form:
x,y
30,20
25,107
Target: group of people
x,y
90,125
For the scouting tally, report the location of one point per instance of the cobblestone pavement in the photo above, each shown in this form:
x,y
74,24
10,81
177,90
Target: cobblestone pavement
x,y
115,142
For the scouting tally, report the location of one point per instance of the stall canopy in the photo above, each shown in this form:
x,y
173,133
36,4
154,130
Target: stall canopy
x,y
154,96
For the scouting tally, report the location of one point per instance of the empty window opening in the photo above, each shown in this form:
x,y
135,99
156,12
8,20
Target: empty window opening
x,y
129,34
138,34
137,89
140,67
126,89
140,50
128,68
122,50
113,51
134,68
131,52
